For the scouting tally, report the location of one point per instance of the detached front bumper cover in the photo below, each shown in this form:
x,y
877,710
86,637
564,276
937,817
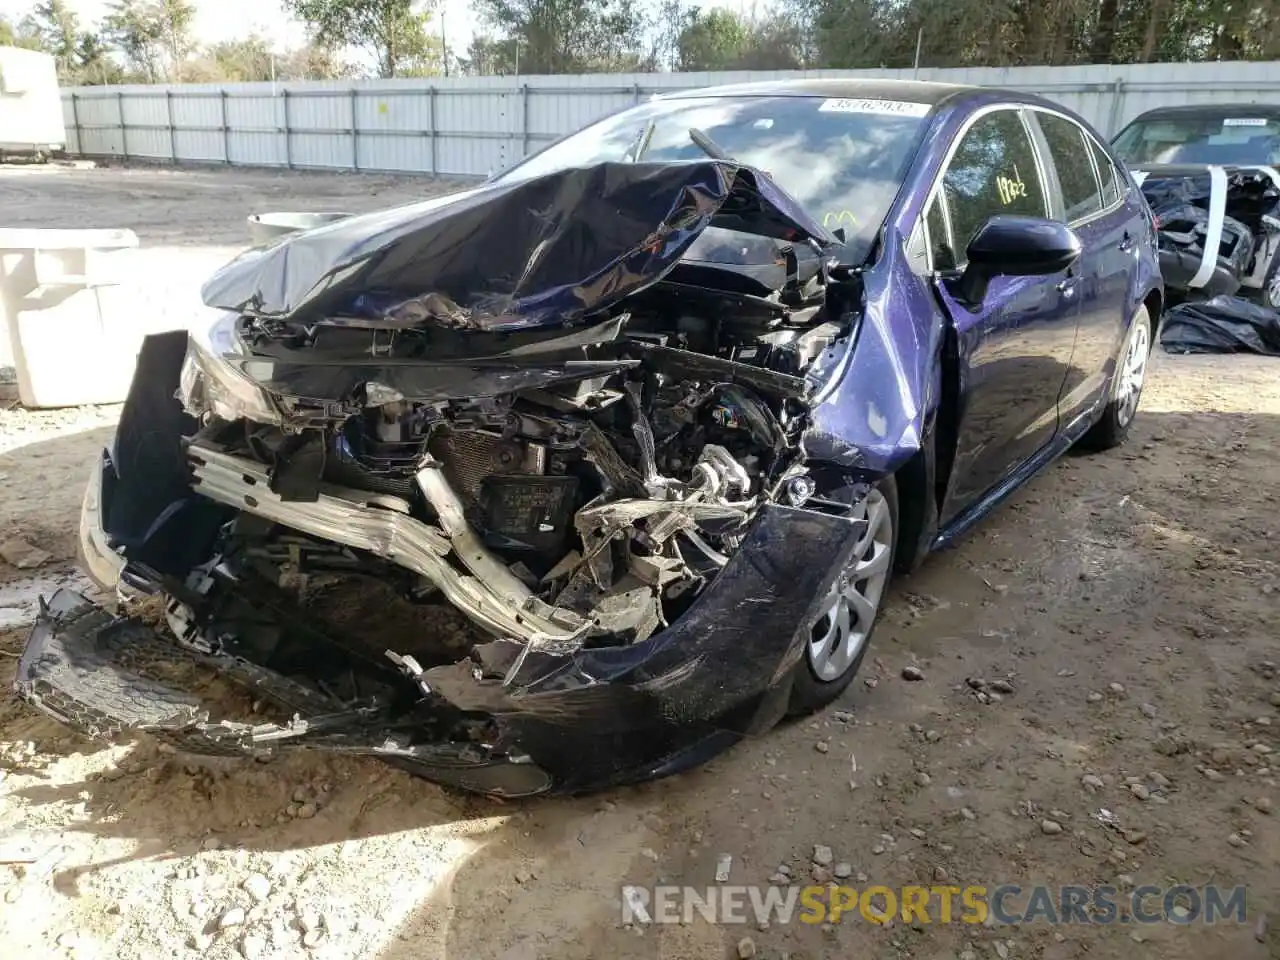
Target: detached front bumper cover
x,y
572,722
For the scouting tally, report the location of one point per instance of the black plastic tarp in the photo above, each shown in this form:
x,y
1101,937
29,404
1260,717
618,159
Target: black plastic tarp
x,y
1221,325
510,254
1184,192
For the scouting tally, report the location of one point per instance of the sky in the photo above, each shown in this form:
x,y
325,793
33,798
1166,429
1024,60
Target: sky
x,y
229,19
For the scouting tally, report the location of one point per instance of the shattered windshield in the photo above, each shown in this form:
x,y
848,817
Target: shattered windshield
x,y
842,159
1236,139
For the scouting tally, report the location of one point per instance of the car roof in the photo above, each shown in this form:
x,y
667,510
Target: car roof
x,y
1210,111
916,91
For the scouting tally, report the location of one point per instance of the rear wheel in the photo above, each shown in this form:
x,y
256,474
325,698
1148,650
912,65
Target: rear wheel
x,y
1271,287
840,636
1126,387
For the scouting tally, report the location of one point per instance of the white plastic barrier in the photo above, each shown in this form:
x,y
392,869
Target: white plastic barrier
x,y
75,305
60,291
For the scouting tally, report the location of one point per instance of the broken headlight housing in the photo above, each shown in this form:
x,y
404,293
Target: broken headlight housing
x,y
208,384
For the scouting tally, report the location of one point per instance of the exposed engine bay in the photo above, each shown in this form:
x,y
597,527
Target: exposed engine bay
x,y
593,508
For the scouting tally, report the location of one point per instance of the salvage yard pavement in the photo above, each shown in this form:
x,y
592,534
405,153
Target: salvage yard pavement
x,y
1104,643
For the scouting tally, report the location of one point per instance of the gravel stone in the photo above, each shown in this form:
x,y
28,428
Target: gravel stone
x,y
257,886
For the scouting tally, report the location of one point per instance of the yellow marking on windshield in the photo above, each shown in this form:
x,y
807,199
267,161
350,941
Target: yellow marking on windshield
x,y
837,218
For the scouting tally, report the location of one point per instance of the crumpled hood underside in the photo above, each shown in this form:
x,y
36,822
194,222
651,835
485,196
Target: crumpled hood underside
x,y
509,255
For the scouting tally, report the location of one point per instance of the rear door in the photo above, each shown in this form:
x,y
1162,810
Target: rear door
x,y
1109,232
1015,347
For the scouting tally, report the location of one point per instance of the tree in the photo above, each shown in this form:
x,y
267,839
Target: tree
x,y
154,35
243,60
313,61
81,57
776,42
672,17
489,57
19,35
566,36
395,32
94,65
58,29
712,40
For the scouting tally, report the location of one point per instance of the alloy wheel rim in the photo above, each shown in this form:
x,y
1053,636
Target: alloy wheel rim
x,y
1273,291
1133,370
840,633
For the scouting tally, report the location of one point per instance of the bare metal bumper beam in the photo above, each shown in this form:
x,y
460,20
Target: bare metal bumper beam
x,y
382,525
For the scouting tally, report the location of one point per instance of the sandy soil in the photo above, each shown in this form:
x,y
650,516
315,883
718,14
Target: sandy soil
x,y
1128,599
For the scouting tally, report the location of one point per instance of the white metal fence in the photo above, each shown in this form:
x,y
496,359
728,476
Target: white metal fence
x,y
474,125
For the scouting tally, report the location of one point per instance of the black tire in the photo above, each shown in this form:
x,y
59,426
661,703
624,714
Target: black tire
x,y
808,691
1271,285
1113,426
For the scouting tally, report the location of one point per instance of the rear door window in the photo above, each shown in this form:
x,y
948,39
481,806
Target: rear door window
x,y
1072,153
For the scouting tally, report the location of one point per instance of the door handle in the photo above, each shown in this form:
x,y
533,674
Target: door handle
x,y
1066,287
1126,243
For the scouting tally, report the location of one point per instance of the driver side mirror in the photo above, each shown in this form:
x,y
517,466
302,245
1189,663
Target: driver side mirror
x,y
1015,246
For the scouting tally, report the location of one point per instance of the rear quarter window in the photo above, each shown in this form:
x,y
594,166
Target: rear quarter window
x,y
1108,176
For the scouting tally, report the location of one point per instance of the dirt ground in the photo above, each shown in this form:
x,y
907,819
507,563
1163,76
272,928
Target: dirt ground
x,y
1128,599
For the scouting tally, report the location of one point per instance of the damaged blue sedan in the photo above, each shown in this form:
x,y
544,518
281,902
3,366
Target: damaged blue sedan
x,y
580,476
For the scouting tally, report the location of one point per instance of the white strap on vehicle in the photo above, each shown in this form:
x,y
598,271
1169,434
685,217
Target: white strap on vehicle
x,y
1213,232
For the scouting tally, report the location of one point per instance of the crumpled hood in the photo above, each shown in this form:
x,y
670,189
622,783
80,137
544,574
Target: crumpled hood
x,y
509,254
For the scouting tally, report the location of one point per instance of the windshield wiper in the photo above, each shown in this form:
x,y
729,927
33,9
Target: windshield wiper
x,y
708,146
640,145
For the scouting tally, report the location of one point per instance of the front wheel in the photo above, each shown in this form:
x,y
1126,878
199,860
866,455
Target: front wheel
x,y
839,637
1126,387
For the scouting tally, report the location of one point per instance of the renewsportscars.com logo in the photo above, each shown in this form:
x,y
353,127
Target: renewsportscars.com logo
x,y
1003,904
